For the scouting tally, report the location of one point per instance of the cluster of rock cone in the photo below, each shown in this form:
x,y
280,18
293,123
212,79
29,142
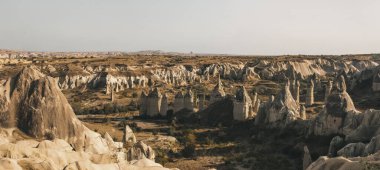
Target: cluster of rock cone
x,y
32,104
358,133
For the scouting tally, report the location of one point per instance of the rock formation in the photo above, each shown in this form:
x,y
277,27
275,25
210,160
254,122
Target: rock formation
x,y
242,105
336,143
164,105
217,93
256,107
281,110
128,136
297,92
33,103
306,158
140,151
368,128
303,112
339,114
352,150
310,94
188,100
178,102
201,103
154,103
328,90
143,103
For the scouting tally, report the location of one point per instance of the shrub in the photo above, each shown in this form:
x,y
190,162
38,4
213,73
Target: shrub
x,y
188,151
161,157
49,135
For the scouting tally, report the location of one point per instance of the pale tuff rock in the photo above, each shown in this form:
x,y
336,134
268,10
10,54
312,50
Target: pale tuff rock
x,y
340,163
188,100
317,82
363,77
339,115
254,98
328,89
57,154
310,94
256,107
373,146
217,93
336,143
112,145
368,128
306,158
352,150
139,151
249,74
242,105
104,80
355,149
297,92
143,103
282,110
271,99
31,96
128,136
276,69
178,75
164,105
34,103
75,81
303,112
154,103
178,102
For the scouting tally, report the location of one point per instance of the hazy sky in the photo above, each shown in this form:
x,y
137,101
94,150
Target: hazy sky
x,y
214,26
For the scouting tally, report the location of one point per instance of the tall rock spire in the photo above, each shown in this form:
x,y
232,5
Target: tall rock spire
x,y
218,92
242,105
328,89
310,94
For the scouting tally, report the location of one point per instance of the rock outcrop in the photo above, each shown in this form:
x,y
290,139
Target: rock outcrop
x,y
143,103
339,115
34,103
336,143
306,158
164,105
189,100
154,103
282,110
310,94
242,105
328,89
128,136
178,102
201,103
217,93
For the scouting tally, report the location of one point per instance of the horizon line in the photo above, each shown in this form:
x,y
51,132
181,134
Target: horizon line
x,y
183,53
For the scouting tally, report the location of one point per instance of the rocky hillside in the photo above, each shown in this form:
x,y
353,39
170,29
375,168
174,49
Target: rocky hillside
x,y
41,131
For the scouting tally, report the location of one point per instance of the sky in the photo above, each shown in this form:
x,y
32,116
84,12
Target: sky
x,y
255,27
